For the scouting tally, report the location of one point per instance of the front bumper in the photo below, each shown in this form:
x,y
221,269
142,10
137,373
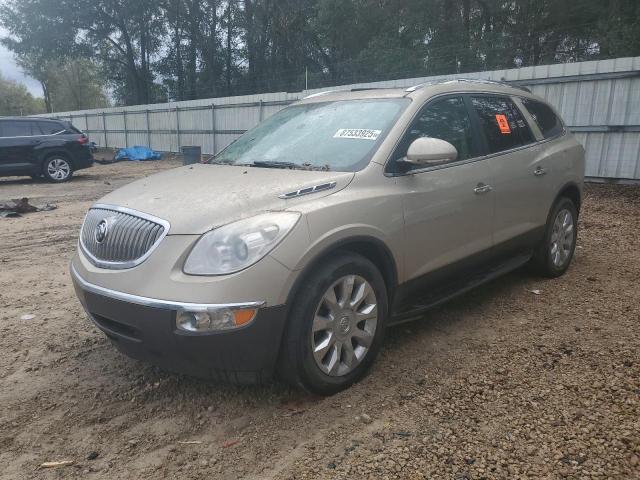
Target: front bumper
x,y
145,329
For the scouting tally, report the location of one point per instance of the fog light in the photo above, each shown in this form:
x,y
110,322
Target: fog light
x,y
221,319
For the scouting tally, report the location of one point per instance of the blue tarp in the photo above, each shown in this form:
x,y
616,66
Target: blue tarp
x,y
137,153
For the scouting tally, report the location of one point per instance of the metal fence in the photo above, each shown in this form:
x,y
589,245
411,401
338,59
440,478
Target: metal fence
x,y
599,100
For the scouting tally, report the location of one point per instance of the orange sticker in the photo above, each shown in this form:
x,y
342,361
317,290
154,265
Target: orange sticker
x,y
503,124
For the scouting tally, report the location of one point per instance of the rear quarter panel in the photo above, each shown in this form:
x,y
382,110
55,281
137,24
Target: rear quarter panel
x,y
566,161
66,145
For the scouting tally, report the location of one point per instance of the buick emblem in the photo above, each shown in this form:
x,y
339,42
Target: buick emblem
x,y
101,230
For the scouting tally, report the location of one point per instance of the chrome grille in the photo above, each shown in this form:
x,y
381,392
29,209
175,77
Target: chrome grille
x,y
129,238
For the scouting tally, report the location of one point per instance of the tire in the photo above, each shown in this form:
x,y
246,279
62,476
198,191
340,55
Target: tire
x,y
555,252
57,168
361,327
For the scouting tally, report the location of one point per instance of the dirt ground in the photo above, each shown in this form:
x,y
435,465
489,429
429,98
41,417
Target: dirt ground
x,y
499,383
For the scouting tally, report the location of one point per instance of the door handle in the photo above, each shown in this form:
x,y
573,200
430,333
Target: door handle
x,y
482,188
539,171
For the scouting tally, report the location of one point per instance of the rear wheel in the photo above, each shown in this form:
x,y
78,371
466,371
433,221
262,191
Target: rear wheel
x,y
554,254
336,325
57,169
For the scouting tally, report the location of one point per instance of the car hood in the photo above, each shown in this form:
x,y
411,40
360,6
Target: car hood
x,y
197,198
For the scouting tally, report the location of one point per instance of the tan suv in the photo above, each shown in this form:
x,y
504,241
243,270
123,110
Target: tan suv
x,y
338,216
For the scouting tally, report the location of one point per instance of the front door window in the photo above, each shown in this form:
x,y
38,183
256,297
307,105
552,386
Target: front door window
x,y
446,119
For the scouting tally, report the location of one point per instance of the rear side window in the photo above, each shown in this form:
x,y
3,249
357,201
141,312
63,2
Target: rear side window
x,y
19,128
49,128
502,124
548,122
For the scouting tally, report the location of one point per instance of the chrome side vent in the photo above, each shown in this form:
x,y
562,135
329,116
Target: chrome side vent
x,y
308,190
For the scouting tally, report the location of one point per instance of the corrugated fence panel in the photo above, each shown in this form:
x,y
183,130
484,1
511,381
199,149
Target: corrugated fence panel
x,y
222,140
600,100
268,110
237,118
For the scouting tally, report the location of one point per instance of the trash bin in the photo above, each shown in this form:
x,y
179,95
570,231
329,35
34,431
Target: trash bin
x,y
191,155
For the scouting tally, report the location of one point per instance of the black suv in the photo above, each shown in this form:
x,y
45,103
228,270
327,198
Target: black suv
x,y
42,147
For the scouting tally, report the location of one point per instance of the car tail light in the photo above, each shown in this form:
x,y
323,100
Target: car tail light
x,y
83,139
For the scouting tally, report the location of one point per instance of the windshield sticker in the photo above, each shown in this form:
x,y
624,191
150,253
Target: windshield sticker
x,y
358,133
503,124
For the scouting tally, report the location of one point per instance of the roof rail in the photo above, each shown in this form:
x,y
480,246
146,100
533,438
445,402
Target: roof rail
x,y
363,89
468,80
418,86
319,94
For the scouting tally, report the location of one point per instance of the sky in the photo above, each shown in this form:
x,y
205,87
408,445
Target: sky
x,y
9,69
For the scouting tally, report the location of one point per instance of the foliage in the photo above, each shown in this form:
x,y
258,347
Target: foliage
x,y
67,84
15,99
150,51
76,85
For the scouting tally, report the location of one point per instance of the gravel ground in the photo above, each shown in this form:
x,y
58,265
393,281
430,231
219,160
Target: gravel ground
x,y
499,383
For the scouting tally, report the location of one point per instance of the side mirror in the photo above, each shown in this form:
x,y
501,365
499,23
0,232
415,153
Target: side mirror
x,y
427,151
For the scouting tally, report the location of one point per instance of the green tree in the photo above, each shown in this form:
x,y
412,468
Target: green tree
x,y
15,99
149,50
67,84
76,85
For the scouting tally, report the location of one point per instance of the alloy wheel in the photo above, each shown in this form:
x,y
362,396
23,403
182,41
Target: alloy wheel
x,y
344,325
59,169
562,238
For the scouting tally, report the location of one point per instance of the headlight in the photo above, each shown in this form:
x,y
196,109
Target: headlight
x,y
238,245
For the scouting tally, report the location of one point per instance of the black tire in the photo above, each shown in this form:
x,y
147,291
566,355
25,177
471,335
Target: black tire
x,y
542,261
57,168
297,364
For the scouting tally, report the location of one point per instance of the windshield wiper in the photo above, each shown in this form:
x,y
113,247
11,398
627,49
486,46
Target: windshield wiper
x,y
291,165
229,162
275,164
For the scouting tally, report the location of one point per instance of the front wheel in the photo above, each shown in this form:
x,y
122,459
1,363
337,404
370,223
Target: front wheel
x,y
554,254
336,325
57,169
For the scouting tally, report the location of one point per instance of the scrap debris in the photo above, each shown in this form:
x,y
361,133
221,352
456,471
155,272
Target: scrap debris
x,y
18,206
62,463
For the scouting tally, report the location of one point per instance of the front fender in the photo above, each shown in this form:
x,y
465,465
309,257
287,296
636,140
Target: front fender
x,y
380,220
339,236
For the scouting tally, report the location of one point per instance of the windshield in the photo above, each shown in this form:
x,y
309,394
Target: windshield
x,y
340,136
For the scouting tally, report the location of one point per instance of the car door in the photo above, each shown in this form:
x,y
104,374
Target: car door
x,y
4,156
448,208
514,159
17,145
